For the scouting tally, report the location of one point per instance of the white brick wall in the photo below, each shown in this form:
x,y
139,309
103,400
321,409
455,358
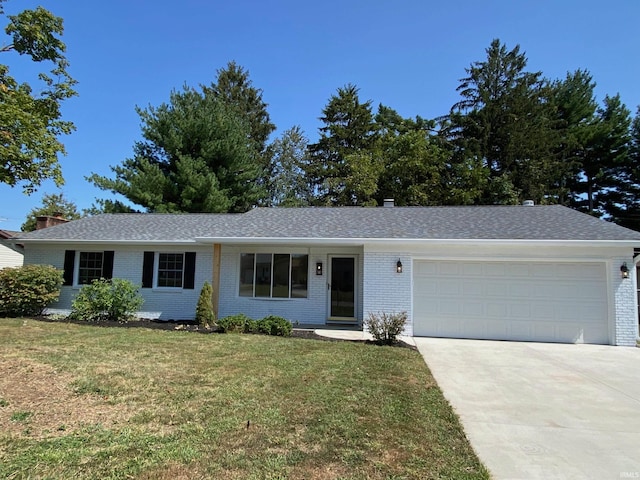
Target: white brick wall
x,y
380,288
385,290
311,310
625,302
127,263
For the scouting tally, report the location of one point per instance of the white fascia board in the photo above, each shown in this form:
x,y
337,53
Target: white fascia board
x,y
413,241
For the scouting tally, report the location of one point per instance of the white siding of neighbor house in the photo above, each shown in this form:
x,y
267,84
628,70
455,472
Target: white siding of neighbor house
x,y
385,290
311,310
9,257
163,304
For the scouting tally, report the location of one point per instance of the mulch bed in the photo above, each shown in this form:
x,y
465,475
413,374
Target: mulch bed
x,y
192,326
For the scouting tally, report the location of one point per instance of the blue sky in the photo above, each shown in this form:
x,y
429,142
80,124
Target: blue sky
x,y
406,54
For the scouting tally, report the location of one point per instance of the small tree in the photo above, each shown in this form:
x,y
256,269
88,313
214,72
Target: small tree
x,y
27,290
116,299
51,205
204,310
385,327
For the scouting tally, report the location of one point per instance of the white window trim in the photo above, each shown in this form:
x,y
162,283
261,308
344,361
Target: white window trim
x,y
156,272
76,267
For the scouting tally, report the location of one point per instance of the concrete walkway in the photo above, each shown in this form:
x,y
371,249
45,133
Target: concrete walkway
x,y
543,411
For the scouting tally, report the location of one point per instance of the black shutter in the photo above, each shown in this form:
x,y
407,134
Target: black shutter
x,y
69,260
147,270
107,264
189,270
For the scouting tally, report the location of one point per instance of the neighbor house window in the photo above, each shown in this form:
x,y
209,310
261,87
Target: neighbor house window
x,y
273,275
170,269
90,267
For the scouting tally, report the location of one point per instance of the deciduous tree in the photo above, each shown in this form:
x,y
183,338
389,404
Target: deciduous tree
x,y
30,114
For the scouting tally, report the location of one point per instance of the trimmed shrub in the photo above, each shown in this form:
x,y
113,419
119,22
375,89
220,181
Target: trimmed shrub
x,y
270,325
27,290
204,310
251,326
116,299
234,323
385,327
274,325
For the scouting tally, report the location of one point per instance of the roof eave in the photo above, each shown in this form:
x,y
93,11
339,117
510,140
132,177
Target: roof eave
x,y
414,241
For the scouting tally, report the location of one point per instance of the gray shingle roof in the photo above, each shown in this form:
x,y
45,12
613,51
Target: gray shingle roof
x,y
137,227
432,223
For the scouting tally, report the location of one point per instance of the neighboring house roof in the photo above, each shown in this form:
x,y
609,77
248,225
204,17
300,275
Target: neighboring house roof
x,y
508,223
7,234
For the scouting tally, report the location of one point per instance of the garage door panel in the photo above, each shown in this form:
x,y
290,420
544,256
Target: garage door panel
x,y
519,311
544,301
449,287
471,288
472,270
473,309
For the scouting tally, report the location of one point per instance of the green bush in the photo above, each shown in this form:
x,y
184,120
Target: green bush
x,y
204,309
234,323
251,326
273,325
27,290
385,327
114,299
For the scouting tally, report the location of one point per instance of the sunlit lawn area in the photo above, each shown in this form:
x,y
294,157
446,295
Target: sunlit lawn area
x,y
90,402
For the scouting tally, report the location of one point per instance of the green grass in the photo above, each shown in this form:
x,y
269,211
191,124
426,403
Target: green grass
x,y
187,405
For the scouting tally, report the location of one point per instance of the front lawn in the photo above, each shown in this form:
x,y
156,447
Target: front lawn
x,y
88,402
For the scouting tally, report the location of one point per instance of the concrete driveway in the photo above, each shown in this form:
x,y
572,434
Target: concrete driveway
x,y
543,411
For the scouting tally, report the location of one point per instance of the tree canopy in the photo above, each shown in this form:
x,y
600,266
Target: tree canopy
x,y
203,151
30,118
513,135
52,204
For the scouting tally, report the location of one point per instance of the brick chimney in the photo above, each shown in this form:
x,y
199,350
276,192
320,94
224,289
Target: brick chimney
x,y
50,221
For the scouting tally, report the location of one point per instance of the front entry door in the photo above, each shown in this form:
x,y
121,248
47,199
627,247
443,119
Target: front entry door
x,y
342,289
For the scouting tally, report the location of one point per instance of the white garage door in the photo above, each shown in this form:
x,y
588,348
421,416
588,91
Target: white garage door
x,y
541,301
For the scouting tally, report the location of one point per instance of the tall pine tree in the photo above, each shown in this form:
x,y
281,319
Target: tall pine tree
x,y
235,89
195,157
503,122
347,134
600,183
